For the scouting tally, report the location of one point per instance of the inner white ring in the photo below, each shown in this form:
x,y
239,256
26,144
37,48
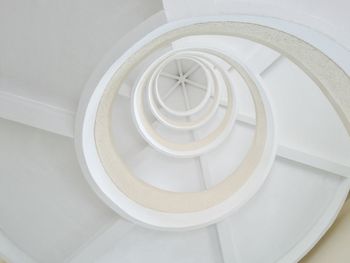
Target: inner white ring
x,y
188,112
191,149
208,114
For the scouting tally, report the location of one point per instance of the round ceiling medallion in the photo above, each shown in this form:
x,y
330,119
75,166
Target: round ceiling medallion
x,y
196,147
156,207
182,80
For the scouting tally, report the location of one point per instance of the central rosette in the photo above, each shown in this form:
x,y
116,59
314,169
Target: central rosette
x,y
183,91
190,81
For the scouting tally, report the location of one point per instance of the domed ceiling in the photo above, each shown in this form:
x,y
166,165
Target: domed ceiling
x,y
206,139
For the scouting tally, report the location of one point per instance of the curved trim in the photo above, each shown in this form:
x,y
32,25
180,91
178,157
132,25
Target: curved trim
x,y
326,45
194,109
193,124
196,147
319,228
280,12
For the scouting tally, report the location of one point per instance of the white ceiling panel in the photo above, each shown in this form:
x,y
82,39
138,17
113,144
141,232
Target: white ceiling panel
x,y
49,49
46,206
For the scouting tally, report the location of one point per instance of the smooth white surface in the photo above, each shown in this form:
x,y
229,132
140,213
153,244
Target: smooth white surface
x,y
11,253
53,47
306,119
46,206
271,224
278,217
143,245
101,243
179,175
32,236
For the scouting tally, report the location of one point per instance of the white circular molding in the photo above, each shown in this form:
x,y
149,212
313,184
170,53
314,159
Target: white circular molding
x,y
197,147
183,80
154,207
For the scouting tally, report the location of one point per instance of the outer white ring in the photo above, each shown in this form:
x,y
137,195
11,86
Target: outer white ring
x,y
221,198
104,187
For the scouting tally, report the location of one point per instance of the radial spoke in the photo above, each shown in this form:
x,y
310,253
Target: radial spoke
x,y
311,160
179,67
168,75
192,70
36,113
186,97
171,90
222,228
195,84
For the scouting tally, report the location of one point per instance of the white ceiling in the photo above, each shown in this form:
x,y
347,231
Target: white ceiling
x,y
49,49
261,226
305,121
46,206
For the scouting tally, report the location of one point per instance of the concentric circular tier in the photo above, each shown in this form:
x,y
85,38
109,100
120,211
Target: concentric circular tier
x,y
160,105
213,73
